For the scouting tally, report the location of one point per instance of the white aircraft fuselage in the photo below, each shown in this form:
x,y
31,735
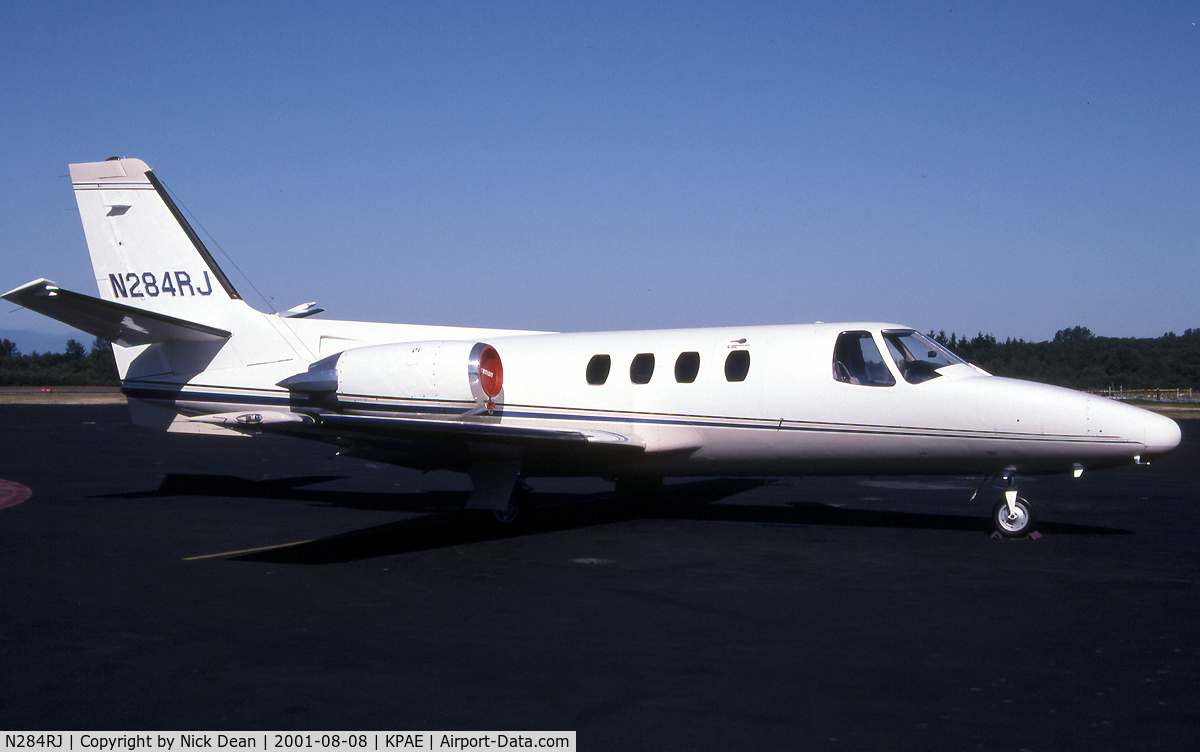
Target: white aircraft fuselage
x,y
861,398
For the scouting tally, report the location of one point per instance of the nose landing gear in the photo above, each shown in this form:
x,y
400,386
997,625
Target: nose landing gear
x,y
1015,521
1013,516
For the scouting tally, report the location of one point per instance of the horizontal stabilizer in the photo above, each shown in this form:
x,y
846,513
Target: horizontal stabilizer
x,y
120,324
301,311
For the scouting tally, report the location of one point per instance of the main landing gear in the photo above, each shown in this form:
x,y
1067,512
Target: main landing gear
x,y
520,506
499,487
1013,516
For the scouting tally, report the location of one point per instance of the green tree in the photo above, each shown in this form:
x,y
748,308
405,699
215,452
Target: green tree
x,y
1073,335
101,363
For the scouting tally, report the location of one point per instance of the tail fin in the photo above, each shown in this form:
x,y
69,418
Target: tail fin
x,y
146,256
143,251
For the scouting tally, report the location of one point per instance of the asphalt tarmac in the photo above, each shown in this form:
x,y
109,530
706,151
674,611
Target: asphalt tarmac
x,y
156,582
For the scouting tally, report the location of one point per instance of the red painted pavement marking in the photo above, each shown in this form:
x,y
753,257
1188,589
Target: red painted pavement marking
x,y
12,494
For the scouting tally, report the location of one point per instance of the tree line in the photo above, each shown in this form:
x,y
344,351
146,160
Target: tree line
x,y
1078,359
1075,358
75,366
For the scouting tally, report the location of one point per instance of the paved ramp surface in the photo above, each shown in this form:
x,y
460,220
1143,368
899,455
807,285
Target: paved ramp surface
x,y
154,582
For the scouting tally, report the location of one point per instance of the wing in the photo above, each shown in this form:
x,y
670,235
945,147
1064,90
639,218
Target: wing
x,y
493,455
371,429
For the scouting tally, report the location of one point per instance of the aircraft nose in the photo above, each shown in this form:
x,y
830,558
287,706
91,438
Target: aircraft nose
x,y
1157,434
1161,434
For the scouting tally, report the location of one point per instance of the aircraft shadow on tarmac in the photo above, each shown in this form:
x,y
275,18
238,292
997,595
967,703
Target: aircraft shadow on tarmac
x,y
444,524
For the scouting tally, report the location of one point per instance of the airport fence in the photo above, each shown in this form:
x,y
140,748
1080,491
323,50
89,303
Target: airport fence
x,y
1172,394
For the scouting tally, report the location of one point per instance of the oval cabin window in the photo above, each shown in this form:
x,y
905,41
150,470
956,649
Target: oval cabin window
x,y
642,368
597,369
737,365
687,366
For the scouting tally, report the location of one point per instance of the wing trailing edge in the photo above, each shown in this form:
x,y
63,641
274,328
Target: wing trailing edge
x,y
118,323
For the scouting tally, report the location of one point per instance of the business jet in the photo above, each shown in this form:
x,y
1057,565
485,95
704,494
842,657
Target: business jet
x,y
863,398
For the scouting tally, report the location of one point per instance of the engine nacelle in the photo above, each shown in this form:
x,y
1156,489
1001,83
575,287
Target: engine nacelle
x,y
439,370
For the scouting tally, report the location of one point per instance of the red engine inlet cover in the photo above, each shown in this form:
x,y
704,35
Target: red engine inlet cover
x,y
491,371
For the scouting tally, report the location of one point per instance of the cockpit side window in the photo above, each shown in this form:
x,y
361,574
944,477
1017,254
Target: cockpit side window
x,y
857,360
917,356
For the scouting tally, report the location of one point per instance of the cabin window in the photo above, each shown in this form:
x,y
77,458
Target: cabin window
x,y
856,360
917,356
687,366
597,369
642,368
737,365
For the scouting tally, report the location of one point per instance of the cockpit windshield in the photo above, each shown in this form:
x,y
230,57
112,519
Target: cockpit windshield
x,y
917,356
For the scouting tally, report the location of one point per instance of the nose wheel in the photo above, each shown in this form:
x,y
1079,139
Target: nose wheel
x,y
1013,516
1015,522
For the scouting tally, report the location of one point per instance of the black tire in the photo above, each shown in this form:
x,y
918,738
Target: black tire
x,y
520,507
1022,524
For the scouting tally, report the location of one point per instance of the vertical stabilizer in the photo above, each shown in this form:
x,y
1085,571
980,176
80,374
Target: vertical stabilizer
x,y
146,255
143,251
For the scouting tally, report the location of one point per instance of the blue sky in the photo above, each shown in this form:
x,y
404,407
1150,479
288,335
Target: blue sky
x,y
1012,168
